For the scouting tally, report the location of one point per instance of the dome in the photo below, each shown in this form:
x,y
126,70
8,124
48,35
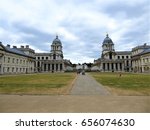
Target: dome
x,y
107,40
56,40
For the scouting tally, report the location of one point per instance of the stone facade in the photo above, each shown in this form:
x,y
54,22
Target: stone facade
x,y
53,61
141,59
15,61
112,60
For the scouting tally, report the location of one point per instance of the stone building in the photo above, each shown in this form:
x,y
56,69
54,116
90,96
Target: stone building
x,y
53,61
16,60
112,60
141,59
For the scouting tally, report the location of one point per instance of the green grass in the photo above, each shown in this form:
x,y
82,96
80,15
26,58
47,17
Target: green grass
x,y
36,83
138,83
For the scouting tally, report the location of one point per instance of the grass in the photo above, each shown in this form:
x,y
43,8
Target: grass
x,y
56,83
127,84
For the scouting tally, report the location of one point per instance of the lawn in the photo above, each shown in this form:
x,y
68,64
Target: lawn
x,y
50,83
127,84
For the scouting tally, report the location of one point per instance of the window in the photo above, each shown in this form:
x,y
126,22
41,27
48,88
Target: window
x,y
54,56
42,58
110,55
13,60
8,69
8,60
38,58
127,57
46,58
118,57
122,57
12,69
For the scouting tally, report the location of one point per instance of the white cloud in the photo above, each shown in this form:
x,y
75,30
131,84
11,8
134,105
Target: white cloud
x,y
81,25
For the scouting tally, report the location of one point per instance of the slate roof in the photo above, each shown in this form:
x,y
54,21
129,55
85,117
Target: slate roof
x,y
42,54
14,50
123,52
145,46
146,51
107,40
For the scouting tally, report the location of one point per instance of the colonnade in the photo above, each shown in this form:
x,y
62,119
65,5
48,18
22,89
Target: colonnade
x,y
113,67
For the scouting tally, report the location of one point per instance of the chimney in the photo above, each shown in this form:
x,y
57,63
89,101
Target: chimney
x,y
22,46
8,45
27,46
14,46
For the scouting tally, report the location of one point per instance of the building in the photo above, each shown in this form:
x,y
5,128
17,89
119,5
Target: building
x,y
141,59
52,61
112,60
16,60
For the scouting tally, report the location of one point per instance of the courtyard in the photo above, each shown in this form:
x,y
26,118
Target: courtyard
x,y
69,92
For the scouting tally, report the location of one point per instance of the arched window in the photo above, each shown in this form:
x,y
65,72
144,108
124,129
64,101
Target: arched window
x,y
54,56
110,55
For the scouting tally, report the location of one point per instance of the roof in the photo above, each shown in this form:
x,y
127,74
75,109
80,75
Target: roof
x,y
146,51
14,50
123,52
56,41
107,40
145,46
42,54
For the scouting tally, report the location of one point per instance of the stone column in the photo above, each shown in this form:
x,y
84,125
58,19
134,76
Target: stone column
x,y
54,67
42,67
63,67
1,69
58,67
118,66
122,66
114,64
50,67
110,69
106,66
47,67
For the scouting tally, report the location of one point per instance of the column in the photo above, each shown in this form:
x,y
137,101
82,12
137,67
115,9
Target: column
x,y
114,64
50,67
118,66
42,67
106,67
47,67
54,67
1,69
110,69
63,67
122,67
58,67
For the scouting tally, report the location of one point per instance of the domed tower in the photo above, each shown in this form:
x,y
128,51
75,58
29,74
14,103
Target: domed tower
x,y
56,48
108,51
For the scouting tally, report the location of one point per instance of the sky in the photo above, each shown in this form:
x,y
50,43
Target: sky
x,y
81,25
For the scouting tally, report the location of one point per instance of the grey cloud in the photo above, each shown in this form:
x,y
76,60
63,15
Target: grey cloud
x,y
38,38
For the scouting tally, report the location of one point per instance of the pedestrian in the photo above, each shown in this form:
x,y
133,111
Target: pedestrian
x,y
120,74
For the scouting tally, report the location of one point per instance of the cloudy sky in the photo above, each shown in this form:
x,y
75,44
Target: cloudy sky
x,y
80,24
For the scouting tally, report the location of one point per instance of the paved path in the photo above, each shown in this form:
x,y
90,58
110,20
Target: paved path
x,y
87,85
74,103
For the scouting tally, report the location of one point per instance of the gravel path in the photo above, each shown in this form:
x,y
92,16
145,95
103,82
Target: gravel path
x,y
74,103
87,85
